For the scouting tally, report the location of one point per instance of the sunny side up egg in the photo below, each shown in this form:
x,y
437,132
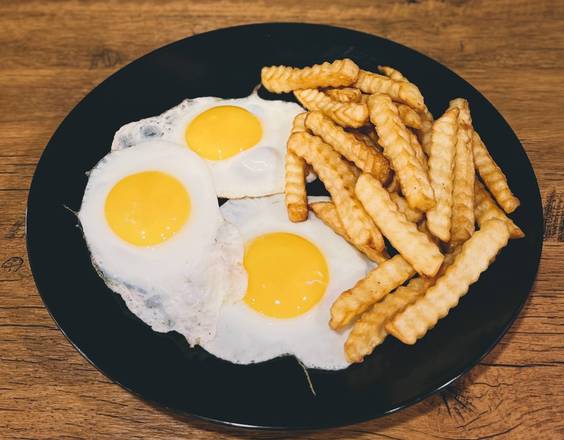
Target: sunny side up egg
x,y
152,223
295,272
243,140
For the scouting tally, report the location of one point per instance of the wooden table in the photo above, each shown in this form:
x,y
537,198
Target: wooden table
x,y
53,53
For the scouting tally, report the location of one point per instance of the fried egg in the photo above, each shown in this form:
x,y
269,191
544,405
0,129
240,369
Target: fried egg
x,y
243,141
295,272
152,223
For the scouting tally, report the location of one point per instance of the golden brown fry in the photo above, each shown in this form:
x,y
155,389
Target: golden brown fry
x,y
426,130
281,79
462,223
492,176
327,213
412,244
369,290
365,138
364,157
346,114
392,73
423,227
409,116
299,123
475,256
332,169
369,331
441,172
295,171
418,150
400,91
425,118
485,209
294,188
413,215
345,94
396,140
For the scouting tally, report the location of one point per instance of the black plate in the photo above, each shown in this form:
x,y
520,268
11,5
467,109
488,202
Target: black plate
x,y
274,394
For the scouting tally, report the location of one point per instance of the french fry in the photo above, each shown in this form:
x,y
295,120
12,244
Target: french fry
x,y
369,331
462,223
345,94
298,124
409,117
425,118
400,91
423,227
413,215
282,79
474,258
492,176
392,73
327,213
418,150
412,244
346,114
364,157
485,209
295,194
441,173
369,290
331,169
396,140
426,130
367,139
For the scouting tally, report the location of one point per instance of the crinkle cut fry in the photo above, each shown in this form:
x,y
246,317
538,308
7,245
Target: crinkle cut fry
x,y
485,209
400,91
425,116
398,148
474,258
346,114
283,79
413,245
419,153
462,222
295,194
426,130
441,173
392,73
369,330
345,94
493,177
369,290
331,169
364,157
413,215
327,213
409,116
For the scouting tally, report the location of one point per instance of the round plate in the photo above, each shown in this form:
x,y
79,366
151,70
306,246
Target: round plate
x,y
161,367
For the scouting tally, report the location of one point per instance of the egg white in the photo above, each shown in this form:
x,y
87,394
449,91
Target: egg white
x,y
255,172
246,336
173,285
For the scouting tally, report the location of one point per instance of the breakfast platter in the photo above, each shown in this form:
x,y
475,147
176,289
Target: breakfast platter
x,y
318,230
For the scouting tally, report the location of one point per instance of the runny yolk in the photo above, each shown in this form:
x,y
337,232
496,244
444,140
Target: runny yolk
x,y
287,274
222,132
147,208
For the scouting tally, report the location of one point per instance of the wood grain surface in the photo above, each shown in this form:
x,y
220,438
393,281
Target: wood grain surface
x,y
52,53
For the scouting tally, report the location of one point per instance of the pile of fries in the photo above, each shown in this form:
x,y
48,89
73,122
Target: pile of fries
x,y
394,172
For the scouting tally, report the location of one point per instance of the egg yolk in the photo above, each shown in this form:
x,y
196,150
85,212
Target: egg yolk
x,y
147,208
222,132
287,274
